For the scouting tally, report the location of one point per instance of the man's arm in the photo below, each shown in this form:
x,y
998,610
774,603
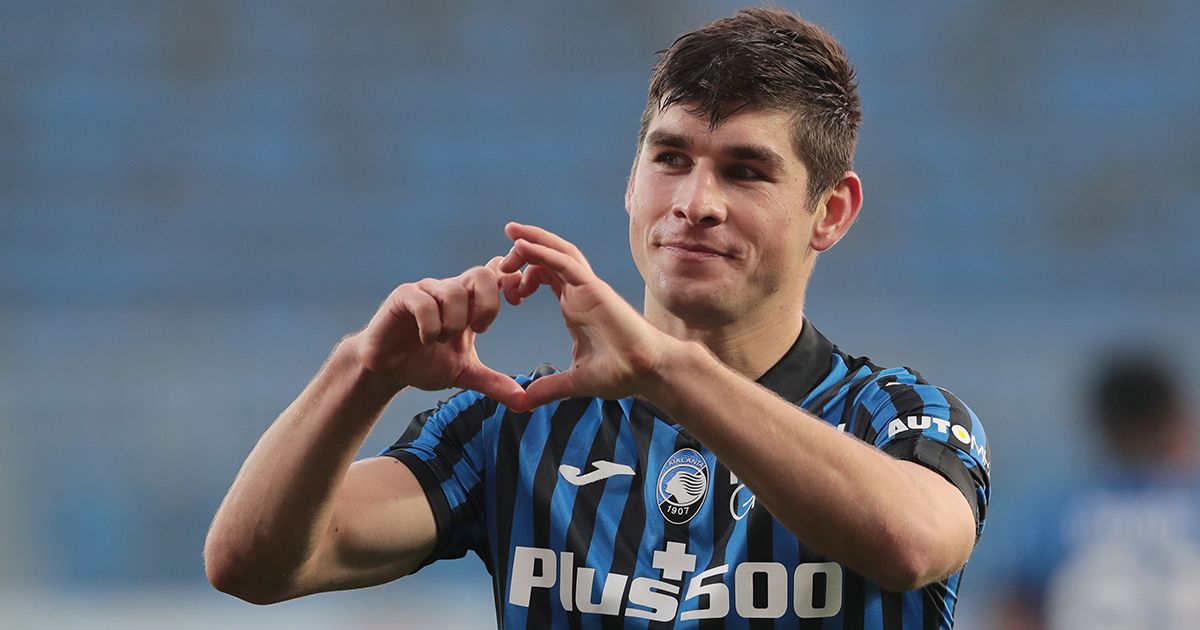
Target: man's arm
x,y
299,517
898,523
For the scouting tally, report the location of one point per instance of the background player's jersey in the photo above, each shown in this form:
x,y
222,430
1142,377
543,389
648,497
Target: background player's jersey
x,y
1119,551
603,513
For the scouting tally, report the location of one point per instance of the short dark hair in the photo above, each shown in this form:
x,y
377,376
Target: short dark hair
x,y
766,59
1135,392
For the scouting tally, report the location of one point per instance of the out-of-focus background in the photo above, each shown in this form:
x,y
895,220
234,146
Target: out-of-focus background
x,y
198,199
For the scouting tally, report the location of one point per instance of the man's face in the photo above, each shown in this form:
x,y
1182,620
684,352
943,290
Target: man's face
x,y
719,220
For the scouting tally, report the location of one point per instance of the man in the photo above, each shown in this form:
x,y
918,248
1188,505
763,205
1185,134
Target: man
x,y
1122,548
710,461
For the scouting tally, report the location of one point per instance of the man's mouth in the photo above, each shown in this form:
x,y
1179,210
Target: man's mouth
x,y
692,249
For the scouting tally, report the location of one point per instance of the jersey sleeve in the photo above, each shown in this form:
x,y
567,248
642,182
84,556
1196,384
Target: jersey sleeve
x,y
912,420
447,451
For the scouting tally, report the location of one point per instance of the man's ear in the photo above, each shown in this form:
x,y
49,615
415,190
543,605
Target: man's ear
x,y
837,211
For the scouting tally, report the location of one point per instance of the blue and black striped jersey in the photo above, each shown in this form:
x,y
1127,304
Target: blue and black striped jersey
x,y
596,513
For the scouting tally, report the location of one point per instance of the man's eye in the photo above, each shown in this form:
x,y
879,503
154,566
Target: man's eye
x,y
743,173
670,159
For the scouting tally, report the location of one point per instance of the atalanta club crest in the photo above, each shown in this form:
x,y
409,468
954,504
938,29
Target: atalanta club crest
x,y
682,486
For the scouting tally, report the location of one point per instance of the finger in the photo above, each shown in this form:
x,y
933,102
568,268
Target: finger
x,y
482,284
560,264
509,283
494,264
542,236
454,301
509,267
550,388
493,384
531,278
509,280
512,261
424,309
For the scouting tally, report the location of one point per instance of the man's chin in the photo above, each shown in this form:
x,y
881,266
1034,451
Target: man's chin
x,y
709,309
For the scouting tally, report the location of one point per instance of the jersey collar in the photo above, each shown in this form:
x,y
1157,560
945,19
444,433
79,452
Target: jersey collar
x,y
795,375
802,367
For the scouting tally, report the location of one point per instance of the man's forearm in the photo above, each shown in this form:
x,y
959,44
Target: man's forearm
x,y
838,495
280,504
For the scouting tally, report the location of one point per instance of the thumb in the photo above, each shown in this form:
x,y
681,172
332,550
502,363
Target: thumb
x,y
550,388
492,384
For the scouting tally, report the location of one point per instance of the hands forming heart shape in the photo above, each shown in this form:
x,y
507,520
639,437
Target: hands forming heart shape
x,y
423,335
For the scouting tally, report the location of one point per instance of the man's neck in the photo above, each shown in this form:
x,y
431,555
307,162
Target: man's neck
x,y
750,346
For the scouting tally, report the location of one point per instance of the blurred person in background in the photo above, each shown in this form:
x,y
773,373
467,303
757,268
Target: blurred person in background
x,y
1122,549
713,459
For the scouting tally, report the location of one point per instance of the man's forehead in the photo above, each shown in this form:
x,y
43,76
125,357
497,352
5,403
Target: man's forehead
x,y
767,127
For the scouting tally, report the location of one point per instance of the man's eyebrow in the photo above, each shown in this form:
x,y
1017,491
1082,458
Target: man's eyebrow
x,y
755,153
661,138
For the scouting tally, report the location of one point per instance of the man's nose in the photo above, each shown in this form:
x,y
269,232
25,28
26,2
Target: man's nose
x,y
699,199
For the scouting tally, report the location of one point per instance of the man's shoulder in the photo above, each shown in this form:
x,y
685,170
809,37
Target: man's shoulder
x,y
863,382
871,382
854,378
880,404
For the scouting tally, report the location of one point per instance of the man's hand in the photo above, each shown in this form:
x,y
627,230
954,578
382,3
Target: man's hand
x,y
616,350
424,333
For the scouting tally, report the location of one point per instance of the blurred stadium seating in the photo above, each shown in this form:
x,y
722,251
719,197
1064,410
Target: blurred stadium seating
x,y
197,200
